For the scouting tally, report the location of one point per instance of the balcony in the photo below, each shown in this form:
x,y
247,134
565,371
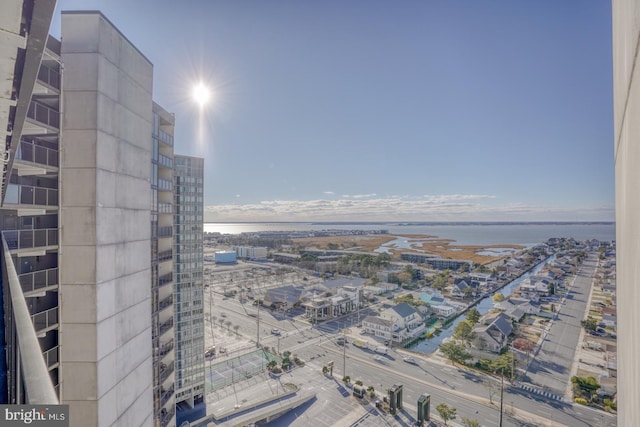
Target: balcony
x,y
30,152
165,138
165,231
165,184
165,161
51,357
45,320
28,380
165,395
31,239
38,280
164,304
164,327
49,76
166,416
165,256
44,115
165,371
29,195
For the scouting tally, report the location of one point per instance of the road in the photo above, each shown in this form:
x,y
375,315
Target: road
x,y
551,368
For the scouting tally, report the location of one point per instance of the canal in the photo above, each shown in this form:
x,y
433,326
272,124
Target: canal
x,y
430,345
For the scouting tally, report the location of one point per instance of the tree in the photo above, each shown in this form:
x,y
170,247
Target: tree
x,y
590,324
473,316
498,297
464,332
446,412
504,364
455,352
468,422
221,321
586,386
235,328
228,323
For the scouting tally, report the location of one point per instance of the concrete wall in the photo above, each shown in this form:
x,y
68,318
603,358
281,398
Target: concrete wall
x,y
626,84
105,275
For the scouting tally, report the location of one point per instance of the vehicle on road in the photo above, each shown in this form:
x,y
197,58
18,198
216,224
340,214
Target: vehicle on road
x,y
223,314
342,341
210,353
381,350
379,359
411,360
275,331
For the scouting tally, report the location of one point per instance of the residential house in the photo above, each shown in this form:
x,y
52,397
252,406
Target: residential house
x,y
492,332
516,308
407,321
377,326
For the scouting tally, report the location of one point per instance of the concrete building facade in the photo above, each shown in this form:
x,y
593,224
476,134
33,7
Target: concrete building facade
x,y
105,266
626,89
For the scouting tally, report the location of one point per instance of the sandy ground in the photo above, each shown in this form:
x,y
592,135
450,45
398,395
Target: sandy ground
x,y
445,248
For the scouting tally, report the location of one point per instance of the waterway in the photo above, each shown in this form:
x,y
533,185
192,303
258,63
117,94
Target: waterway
x,y
431,344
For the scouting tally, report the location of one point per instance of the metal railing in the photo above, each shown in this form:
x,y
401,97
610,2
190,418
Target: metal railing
x,y
51,357
164,327
49,76
32,374
165,255
165,395
164,303
165,371
30,152
43,114
38,279
166,231
29,239
30,195
45,319
165,161
165,184
165,208
164,419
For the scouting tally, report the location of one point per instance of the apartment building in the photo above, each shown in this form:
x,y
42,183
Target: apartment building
x,y
90,249
189,267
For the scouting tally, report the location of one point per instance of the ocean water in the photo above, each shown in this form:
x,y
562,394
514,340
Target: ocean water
x,y
468,233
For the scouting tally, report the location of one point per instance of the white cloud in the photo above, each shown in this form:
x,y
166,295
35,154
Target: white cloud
x,y
454,207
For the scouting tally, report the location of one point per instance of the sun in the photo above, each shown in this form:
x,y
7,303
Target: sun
x,y
201,94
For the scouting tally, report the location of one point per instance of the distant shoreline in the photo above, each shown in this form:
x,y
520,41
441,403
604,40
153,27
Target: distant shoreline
x,y
418,223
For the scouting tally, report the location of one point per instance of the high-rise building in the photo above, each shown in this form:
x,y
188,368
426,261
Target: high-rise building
x,y
88,235
188,258
30,88
626,89
162,269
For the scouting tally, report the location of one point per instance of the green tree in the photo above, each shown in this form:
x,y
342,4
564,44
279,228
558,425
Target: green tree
x,y
586,386
446,412
498,297
468,422
473,316
464,332
455,352
505,365
590,324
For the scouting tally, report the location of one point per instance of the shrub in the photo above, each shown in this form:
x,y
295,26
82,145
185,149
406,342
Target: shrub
x,y
346,378
358,382
580,400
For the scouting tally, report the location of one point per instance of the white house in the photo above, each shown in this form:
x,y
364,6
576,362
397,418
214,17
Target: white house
x,y
377,326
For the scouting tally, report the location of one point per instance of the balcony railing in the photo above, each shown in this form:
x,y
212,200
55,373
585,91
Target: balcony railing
x,y
164,304
45,319
165,231
165,395
31,282
30,152
49,76
164,327
165,208
30,367
30,239
43,114
165,371
165,417
29,195
165,184
51,357
165,137
165,161
165,255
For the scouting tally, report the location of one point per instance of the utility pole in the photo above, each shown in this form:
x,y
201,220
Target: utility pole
x,y
344,356
501,393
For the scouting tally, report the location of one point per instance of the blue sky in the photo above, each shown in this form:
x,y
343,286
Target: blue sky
x,y
380,110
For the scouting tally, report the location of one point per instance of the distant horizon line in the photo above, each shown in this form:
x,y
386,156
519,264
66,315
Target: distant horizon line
x,y
409,223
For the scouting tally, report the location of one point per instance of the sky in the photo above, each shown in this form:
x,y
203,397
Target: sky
x,y
368,110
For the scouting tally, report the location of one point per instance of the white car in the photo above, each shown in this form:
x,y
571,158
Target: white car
x,y
410,360
379,359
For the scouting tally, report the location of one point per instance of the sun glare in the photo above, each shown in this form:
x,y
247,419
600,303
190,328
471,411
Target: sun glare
x,y
201,94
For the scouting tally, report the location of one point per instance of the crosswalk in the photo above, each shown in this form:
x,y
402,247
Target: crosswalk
x,y
540,392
